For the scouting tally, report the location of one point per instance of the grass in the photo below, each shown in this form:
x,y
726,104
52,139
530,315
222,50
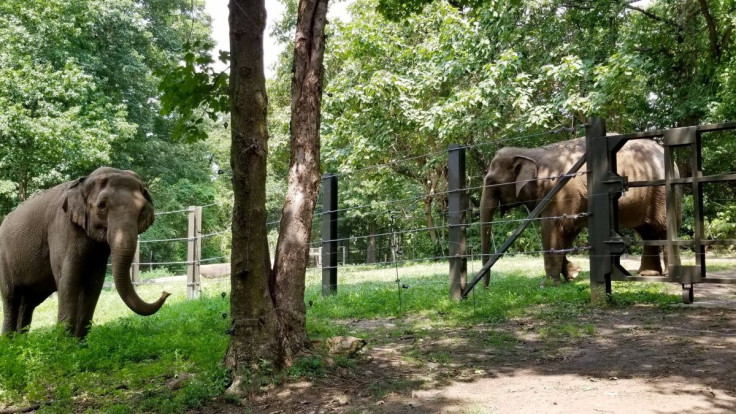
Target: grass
x,y
127,361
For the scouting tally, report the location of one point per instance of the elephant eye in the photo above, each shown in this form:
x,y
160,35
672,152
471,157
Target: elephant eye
x,y
101,205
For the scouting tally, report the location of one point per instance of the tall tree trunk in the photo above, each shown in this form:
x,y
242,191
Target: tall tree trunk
x,y
254,330
370,251
267,306
292,250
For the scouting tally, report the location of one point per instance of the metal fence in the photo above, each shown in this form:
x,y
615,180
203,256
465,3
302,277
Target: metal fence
x,y
458,216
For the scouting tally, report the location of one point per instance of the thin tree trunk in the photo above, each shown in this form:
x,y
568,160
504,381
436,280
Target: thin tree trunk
x,y
254,329
292,250
370,251
429,219
23,190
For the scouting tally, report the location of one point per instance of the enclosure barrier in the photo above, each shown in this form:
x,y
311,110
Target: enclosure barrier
x,y
194,251
457,214
605,187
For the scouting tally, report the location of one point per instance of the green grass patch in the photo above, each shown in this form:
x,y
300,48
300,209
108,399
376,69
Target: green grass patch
x,y
509,295
566,330
124,365
127,362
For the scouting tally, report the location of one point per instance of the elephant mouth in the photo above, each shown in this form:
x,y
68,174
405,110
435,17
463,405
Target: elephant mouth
x,y
99,235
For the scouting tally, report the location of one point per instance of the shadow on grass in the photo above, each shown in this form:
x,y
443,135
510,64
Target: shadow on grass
x,y
509,295
435,355
423,342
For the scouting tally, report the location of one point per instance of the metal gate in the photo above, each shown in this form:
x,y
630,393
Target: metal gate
x,y
605,187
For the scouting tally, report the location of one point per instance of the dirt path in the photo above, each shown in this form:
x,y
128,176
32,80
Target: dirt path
x,y
639,359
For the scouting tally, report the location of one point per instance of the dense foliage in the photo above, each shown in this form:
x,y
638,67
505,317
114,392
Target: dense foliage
x,y
407,79
79,88
114,82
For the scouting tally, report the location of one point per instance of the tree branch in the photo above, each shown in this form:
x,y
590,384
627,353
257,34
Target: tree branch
x,y
715,48
653,16
726,38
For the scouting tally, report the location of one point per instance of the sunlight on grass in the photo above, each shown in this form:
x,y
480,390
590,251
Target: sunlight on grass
x,y
126,361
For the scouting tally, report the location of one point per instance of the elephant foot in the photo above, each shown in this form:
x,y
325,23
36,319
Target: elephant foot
x,y
547,281
649,273
572,272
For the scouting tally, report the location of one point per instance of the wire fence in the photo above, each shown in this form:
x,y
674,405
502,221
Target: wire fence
x,y
414,227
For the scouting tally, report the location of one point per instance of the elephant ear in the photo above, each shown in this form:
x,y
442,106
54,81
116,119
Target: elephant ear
x,y
525,172
147,217
75,203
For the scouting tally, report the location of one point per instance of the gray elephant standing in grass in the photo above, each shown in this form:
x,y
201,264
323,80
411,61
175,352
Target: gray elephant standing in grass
x,y
518,176
61,239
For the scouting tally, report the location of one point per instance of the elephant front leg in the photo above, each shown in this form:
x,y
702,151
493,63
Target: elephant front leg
x,y
552,240
69,284
90,294
552,267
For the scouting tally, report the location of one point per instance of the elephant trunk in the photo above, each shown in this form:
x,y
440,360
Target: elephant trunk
x,y
488,205
122,245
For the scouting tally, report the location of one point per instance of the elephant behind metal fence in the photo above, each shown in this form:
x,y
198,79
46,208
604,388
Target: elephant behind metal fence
x,y
523,176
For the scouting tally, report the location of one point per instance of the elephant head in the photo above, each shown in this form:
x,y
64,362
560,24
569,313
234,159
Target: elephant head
x,y
510,182
112,206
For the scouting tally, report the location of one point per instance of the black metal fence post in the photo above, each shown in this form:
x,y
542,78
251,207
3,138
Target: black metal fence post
x,y
599,206
457,196
329,234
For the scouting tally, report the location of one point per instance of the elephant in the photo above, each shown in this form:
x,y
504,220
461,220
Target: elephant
x,y
61,239
523,176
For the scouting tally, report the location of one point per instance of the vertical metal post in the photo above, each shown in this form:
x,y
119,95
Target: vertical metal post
x,y
696,161
194,243
599,226
329,234
673,138
135,268
672,251
198,251
457,225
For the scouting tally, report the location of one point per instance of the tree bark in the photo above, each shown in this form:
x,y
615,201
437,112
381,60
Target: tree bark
x,y
370,251
267,305
292,249
715,47
23,189
254,329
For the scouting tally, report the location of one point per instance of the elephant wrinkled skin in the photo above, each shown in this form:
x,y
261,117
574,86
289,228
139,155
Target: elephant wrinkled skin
x,y
61,239
519,176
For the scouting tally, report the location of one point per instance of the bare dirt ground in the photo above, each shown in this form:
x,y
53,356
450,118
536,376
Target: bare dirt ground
x,y
639,359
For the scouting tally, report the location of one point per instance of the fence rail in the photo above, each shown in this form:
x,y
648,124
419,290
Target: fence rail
x,y
458,217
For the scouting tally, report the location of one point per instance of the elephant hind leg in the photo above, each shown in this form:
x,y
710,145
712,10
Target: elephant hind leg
x,y
651,264
569,269
11,310
28,304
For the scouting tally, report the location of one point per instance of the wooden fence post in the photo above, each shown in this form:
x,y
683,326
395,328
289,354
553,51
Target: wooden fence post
x,y
329,234
456,212
194,247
